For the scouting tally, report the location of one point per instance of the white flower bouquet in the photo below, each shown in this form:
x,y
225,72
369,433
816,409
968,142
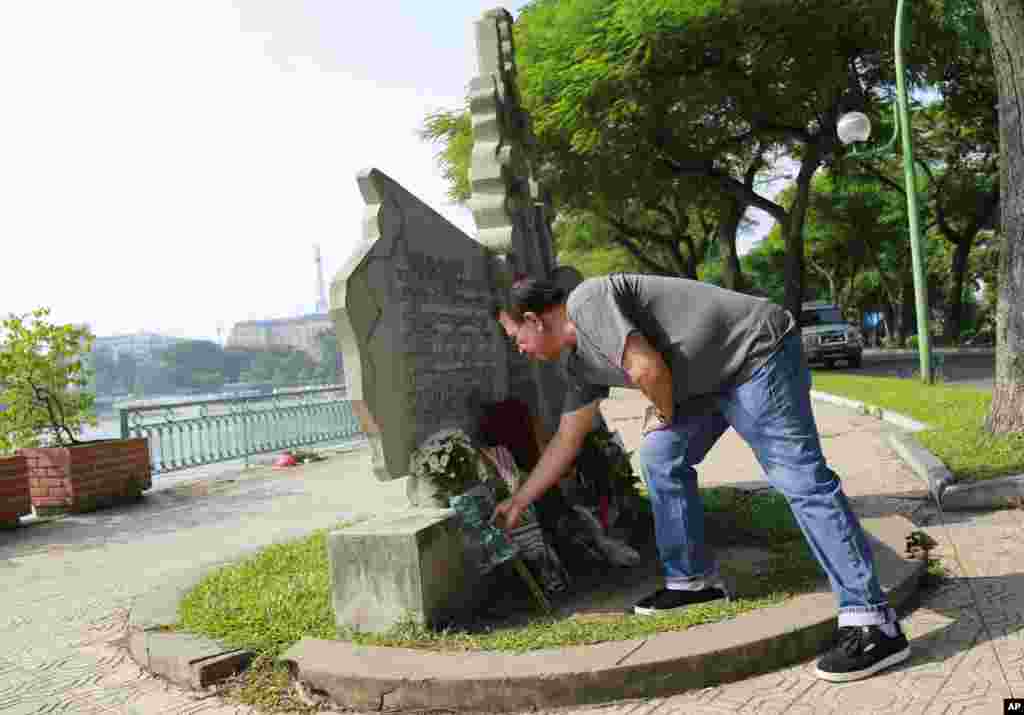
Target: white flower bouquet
x,y
448,460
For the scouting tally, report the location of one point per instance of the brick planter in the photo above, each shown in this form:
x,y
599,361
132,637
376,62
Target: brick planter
x,y
88,476
15,499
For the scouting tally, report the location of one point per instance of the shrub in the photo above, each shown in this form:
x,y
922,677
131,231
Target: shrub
x,y
41,376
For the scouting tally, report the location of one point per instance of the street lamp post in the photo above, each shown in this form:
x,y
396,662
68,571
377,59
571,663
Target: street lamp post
x,y
855,126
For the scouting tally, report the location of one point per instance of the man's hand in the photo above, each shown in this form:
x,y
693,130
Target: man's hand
x,y
508,513
653,421
647,370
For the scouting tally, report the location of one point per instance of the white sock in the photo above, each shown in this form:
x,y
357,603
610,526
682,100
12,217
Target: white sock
x,y
890,629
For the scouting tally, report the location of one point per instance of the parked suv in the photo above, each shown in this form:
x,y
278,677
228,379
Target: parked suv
x,y
827,336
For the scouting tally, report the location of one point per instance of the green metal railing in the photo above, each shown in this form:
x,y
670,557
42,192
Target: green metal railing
x,y
191,434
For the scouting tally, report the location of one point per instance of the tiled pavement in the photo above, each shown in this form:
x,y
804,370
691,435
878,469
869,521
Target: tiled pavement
x,y
68,586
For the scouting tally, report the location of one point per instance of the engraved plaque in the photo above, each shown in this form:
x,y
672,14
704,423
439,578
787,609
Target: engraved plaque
x,y
413,310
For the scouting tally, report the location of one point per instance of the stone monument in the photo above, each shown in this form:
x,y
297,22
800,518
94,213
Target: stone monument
x,y
512,216
413,312
413,308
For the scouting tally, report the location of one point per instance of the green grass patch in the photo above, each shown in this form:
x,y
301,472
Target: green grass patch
x,y
268,601
955,413
282,594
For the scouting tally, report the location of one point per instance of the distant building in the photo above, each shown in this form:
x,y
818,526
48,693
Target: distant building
x,y
302,333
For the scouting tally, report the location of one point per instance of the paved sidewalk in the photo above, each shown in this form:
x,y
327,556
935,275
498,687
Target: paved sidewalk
x,y
68,585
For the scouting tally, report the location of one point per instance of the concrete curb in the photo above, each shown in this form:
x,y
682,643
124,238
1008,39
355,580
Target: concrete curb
x,y
987,494
894,418
395,678
925,464
948,493
373,678
876,355
187,660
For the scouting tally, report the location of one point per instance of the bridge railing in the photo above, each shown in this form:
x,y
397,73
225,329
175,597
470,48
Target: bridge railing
x,y
191,434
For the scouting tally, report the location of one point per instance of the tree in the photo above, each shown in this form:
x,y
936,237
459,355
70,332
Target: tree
x,y
235,361
103,367
41,368
296,368
194,364
261,369
582,242
964,197
764,266
127,370
668,236
281,366
858,251
453,130
957,152
330,369
1005,22
151,379
985,268
634,99
878,217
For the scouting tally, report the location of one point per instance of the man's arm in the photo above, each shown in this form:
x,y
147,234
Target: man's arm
x,y
560,453
647,370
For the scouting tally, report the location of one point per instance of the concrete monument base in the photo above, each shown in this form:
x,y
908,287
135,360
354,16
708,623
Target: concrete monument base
x,y
408,563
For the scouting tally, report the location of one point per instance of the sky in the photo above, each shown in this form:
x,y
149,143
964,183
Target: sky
x,y
168,166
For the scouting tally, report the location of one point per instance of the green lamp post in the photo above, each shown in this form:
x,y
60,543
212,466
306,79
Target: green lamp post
x,y
856,127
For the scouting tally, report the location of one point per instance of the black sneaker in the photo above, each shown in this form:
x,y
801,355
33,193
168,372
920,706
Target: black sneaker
x,y
666,601
860,651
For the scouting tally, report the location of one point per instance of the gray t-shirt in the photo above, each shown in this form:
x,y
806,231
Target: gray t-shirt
x,y
711,338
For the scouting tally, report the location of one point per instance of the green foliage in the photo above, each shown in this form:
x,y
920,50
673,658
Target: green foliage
x,y
740,516
266,602
602,455
648,113
286,366
204,365
857,242
330,369
453,130
194,363
764,267
102,367
584,242
127,371
966,19
42,373
680,76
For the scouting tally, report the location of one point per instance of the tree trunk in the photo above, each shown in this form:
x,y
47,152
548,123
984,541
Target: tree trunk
x,y
794,231
732,272
958,269
907,316
690,262
1005,20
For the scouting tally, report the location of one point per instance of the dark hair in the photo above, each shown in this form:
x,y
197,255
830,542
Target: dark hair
x,y
531,295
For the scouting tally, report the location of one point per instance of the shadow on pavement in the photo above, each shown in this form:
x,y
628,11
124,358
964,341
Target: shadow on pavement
x,y
966,612
162,511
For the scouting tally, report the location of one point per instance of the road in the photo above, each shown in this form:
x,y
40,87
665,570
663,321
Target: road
x,y
973,370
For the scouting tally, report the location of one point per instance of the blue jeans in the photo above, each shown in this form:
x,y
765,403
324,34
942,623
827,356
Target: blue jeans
x,y
772,412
